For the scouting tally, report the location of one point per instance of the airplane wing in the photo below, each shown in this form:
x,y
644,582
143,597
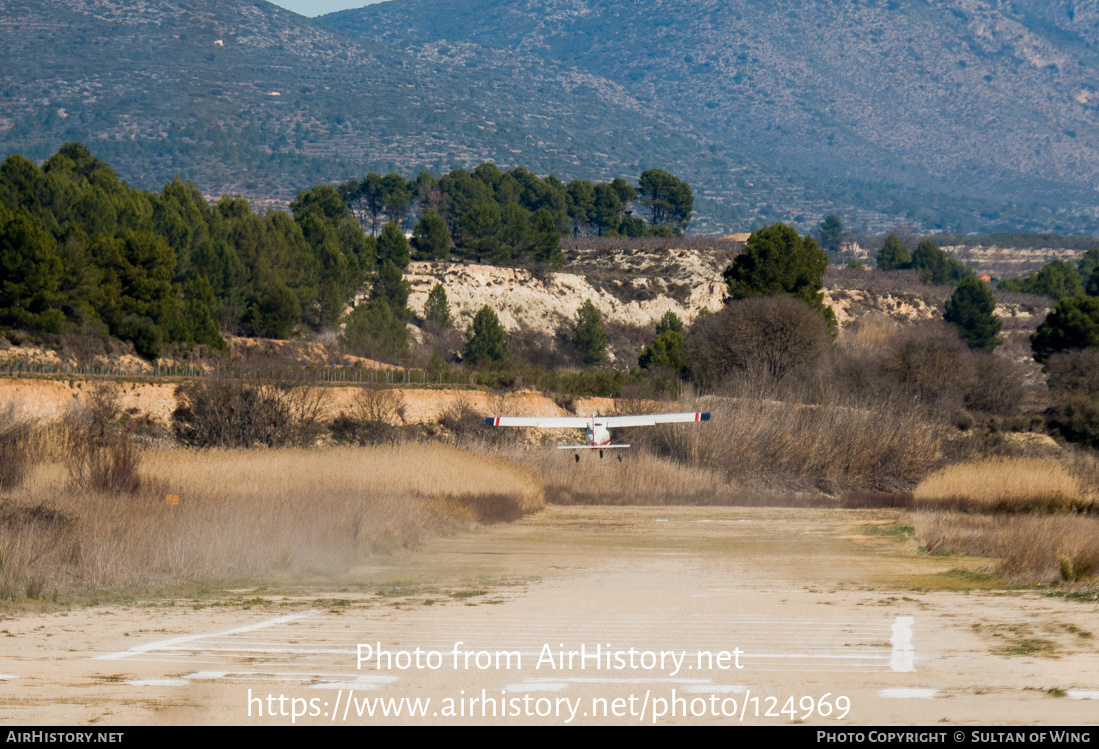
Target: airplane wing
x,y
647,420
544,422
579,422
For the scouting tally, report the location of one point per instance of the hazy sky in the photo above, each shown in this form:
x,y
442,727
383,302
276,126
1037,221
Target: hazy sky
x,y
320,7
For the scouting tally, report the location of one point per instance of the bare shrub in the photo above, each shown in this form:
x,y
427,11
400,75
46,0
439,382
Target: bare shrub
x,y
928,361
895,282
308,411
101,456
99,418
626,340
1075,416
1074,372
16,458
534,348
111,468
644,244
763,339
862,352
229,411
373,418
87,342
999,386
466,425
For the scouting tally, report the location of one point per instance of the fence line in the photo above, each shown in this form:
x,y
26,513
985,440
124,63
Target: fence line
x,y
334,374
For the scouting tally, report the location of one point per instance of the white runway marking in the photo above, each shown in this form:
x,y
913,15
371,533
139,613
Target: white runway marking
x,y
1083,694
319,650
540,686
715,689
365,680
8,677
168,644
909,693
903,658
556,685
158,683
690,686
362,683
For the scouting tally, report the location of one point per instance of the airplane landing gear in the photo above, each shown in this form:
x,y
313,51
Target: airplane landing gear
x,y
577,456
600,454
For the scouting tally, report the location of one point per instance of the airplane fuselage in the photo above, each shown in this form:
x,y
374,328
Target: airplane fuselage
x,y
598,434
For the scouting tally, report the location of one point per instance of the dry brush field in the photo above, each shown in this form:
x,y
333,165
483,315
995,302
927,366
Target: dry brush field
x,y
83,508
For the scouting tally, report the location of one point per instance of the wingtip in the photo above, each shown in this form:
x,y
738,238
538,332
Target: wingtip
x,y
706,416
490,421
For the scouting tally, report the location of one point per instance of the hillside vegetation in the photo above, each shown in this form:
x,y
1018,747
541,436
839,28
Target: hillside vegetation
x,y
988,103
950,115
244,97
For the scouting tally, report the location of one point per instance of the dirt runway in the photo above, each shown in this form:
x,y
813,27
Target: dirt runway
x,y
584,615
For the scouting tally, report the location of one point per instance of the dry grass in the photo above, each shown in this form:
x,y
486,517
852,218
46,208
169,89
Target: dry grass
x,y
1003,485
637,480
249,514
17,454
776,446
1030,549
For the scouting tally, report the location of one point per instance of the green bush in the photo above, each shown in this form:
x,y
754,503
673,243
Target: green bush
x,y
588,335
777,260
486,340
373,331
972,310
1073,324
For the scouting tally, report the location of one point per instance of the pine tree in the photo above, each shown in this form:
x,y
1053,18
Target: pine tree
x,y
373,330
437,308
393,246
831,233
1073,324
486,340
391,286
894,255
430,238
972,310
588,334
545,239
937,267
777,261
669,348
199,304
30,275
670,321
1056,279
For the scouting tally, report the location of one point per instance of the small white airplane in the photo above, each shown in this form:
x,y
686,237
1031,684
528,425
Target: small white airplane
x,y
598,428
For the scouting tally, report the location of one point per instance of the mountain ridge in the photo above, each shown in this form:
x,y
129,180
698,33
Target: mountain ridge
x,y
242,97
944,97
